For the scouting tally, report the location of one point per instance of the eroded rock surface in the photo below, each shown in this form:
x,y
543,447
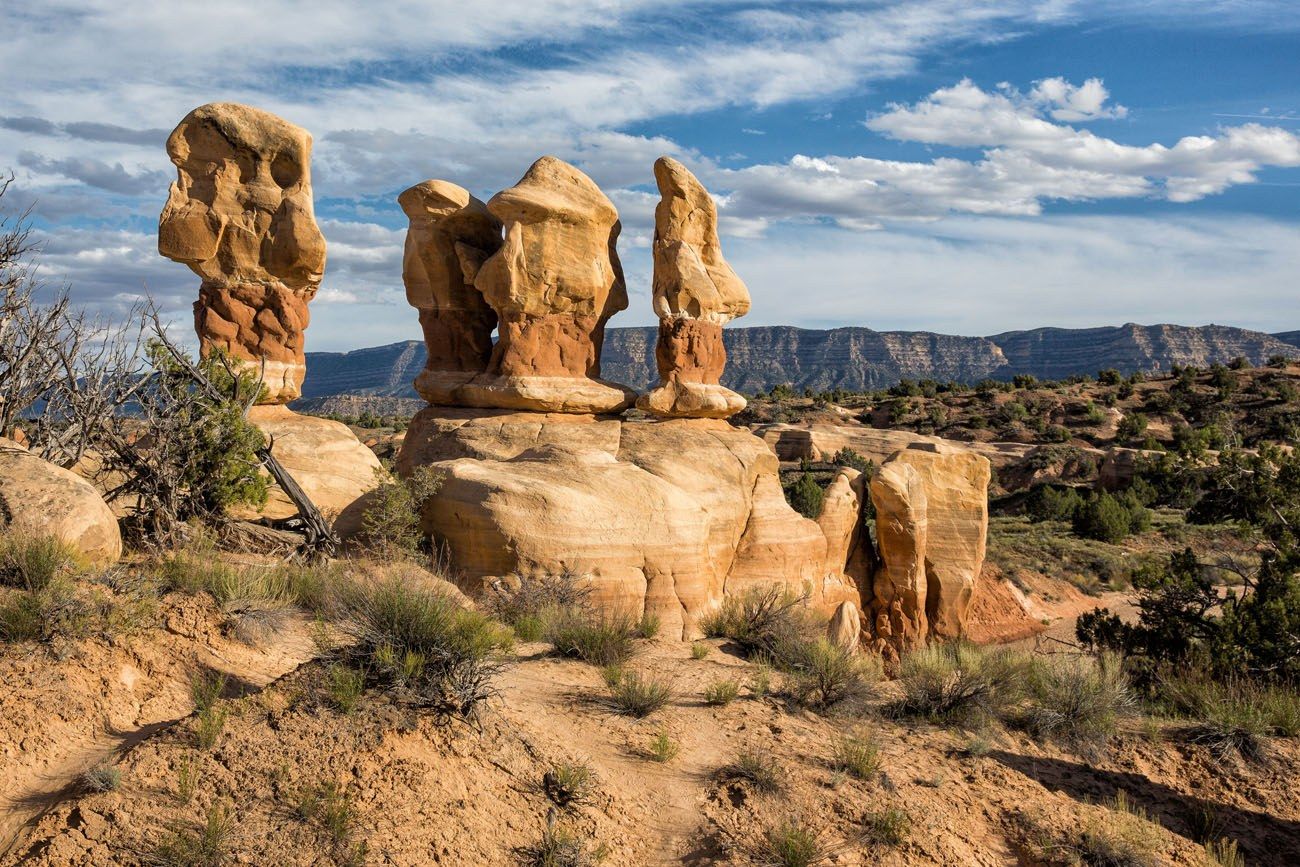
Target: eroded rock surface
x,y
664,517
39,498
695,293
554,283
240,215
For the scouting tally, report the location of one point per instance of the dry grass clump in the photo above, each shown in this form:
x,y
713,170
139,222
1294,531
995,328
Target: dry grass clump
x,y
1223,853
888,827
562,847
210,717
598,639
791,844
330,806
1120,835
857,755
101,778
33,562
721,692
45,603
960,683
824,675
759,620
1077,700
663,748
528,603
758,768
568,783
700,650
638,695
1232,717
205,845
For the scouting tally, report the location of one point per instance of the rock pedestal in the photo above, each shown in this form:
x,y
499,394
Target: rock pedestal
x,y
451,234
695,293
240,216
554,283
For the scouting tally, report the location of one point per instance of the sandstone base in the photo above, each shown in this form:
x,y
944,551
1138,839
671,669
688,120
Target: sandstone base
x,y
39,498
691,400
545,394
324,457
440,386
663,517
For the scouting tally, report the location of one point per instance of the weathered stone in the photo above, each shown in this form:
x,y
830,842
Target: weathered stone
x,y
38,498
451,234
554,283
845,628
898,603
664,517
240,216
695,293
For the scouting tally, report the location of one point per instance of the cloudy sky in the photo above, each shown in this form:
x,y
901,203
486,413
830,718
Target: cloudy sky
x,y
963,166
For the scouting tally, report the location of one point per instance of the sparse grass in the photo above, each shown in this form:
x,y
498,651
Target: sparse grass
x,y
561,847
331,806
824,675
210,717
187,779
613,674
758,768
345,686
792,844
1123,837
638,695
598,639
700,650
568,783
1232,717
33,562
1076,700
978,747
649,625
888,827
758,620
663,749
528,603
1223,853
857,755
721,692
206,845
959,683
760,680
101,778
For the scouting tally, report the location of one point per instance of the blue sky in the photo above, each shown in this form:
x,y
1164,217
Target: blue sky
x,y
949,165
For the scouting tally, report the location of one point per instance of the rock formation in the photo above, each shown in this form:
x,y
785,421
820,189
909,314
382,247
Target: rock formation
x,y
39,498
554,283
661,517
931,526
240,216
695,294
450,236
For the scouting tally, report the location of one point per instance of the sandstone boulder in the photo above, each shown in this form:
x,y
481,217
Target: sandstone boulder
x,y
39,498
451,234
845,628
695,293
899,589
554,283
664,517
240,215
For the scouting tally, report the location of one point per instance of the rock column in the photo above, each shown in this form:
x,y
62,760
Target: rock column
x,y
240,216
695,293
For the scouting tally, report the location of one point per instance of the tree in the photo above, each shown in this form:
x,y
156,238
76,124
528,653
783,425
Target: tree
x,y
806,496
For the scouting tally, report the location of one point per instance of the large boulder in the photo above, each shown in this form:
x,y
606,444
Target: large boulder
x,y
663,517
39,498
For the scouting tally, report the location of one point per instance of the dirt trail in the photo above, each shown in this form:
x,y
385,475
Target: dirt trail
x,y
103,701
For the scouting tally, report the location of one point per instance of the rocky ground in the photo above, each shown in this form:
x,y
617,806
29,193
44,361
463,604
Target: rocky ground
x,y
291,779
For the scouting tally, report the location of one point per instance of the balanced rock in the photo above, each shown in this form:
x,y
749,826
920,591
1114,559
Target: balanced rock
x,y
240,216
661,517
931,525
39,498
554,283
695,293
451,234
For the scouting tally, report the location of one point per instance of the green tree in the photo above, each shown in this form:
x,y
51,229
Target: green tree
x,y
806,496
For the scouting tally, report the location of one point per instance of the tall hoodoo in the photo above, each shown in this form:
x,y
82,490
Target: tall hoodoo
x,y
451,234
695,293
240,216
554,283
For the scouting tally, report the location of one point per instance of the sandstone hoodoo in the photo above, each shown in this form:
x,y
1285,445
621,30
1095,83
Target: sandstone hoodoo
x,y
554,283
695,293
450,236
240,216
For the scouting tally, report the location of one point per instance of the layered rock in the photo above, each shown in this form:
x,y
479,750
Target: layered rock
x,y
695,293
451,234
554,283
662,517
240,216
931,527
38,498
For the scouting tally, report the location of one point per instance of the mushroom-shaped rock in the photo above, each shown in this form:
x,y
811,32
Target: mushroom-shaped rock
x,y
451,234
240,216
695,293
554,283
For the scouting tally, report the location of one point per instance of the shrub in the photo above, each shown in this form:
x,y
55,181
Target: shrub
x,y
1109,518
1132,426
1224,853
345,686
560,847
1046,503
857,755
40,615
187,779
889,827
1232,717
568,783
331,806
101,778
721,692
700,650
758,767
825,674
638,696
805,496
529,602
34,562
390,525
207,845
959,682
648,626
662,747
847,457
792,844
1076,699
760,680
598,639
759,620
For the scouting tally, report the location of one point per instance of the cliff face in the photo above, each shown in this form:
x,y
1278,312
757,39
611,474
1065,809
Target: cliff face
x,y
855,358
